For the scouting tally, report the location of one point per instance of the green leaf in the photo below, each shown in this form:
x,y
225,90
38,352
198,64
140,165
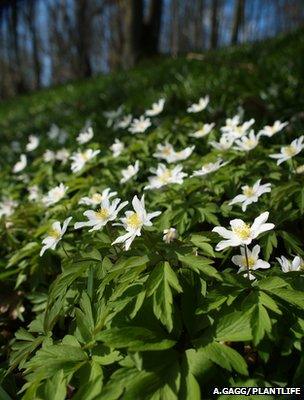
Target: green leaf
x,y
93,383
260,323
201,242
26,251
135,338
199,264
292,296
55,387
48,360
269,303
234,327
4,395
269,243
225,357
160,284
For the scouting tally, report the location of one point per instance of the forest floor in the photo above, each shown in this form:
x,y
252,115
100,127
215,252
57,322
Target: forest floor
x,y
169,318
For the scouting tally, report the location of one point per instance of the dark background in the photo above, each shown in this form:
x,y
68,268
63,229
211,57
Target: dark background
x,y
49,42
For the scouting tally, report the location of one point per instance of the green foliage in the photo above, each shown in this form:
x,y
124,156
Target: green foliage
x,y
161,321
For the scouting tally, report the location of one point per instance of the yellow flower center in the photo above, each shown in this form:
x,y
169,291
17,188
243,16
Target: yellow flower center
x,y
166,151
251,262
85,155
97,197
290,151
250,142
248,191
165,176
134,221
243,231
54,233
102,213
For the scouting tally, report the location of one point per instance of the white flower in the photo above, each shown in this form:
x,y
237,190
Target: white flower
x,y
251,194
290,151
224,143
54,132
134,221
54,195
200,106
85,136
21,164
210,167
99,218
242,233
204,131
253,260
62,155
124,122
167,152
237,131
33,143
165,176
54,235
164,151
170,235
300,169
297,264
129,172
112,115
117,147
140,125
7,207
97,198
269,130
247,143
181,155
34,193
81,158
49,155
231,123
156,108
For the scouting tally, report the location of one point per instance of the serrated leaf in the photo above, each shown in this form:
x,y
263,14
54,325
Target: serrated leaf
x,y
135,338
199,264
160,284
55,387
234,327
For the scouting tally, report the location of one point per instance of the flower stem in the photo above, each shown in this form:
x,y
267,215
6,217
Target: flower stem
x,y
64,250
247,261
293,165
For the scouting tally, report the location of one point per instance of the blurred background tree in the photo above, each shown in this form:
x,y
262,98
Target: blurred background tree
x,y
48,42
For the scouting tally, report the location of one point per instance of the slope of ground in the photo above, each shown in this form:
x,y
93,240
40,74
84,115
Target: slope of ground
x,y
89,319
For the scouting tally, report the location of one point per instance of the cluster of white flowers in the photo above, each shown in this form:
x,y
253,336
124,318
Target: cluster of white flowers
x,y
235,136
242,234
166,152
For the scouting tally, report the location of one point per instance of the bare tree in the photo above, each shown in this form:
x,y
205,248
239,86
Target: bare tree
x,y
214,24
238,20
83,37
32,25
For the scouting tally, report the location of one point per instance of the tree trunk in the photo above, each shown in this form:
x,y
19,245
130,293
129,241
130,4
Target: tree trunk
x,y
199,35
175,28
214,24
238,21
151,29
17,71
83,38
34,37
133,27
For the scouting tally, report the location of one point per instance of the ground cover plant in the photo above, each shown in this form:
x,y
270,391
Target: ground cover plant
x,y
152,230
